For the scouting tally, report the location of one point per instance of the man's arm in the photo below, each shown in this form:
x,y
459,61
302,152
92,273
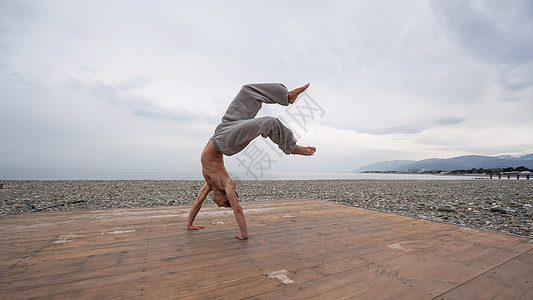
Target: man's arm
x,y
237,211
202,194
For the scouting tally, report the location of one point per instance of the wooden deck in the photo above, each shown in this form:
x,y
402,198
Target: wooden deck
x,y
299,249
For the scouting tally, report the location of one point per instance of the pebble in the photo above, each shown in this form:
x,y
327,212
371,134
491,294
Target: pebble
x,y
477,204
447,207
498,210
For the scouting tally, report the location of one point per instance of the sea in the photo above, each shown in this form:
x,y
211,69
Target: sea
x,y
115,174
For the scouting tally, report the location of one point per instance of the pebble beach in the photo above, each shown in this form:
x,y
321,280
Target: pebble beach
x,y
497,205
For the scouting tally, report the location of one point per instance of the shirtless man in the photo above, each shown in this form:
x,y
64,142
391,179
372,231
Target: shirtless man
x,y
238,128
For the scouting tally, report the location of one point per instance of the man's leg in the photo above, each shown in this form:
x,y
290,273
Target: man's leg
x,y
251,97
236,131
239,134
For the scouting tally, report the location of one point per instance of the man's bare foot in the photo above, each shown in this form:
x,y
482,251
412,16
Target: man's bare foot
x,y
195,227
294,93
240,236
307,151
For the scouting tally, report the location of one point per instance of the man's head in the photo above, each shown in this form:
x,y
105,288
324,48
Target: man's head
x,y
221,199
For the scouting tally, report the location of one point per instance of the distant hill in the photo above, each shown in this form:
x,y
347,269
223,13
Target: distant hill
x,y
466,162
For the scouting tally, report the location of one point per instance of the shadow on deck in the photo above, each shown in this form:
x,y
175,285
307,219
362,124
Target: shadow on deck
x,y
299,249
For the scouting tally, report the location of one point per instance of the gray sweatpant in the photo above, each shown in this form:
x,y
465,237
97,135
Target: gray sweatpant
x,y
239,125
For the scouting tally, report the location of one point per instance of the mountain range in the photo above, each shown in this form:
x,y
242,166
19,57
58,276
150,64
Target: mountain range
x,y
466,162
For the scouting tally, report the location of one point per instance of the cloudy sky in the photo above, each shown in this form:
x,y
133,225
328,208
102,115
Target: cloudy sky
x,y
142,84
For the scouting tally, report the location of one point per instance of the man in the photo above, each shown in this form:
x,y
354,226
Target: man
x,y
238,128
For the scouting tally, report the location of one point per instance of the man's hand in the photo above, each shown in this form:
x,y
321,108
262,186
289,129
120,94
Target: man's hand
x,y
241,237
195,227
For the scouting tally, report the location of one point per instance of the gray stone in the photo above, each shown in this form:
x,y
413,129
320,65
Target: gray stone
x,y
447,207
498,209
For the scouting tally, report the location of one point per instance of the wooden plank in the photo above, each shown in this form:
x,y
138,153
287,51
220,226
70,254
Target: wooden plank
x,y
399,270
329,250
512,279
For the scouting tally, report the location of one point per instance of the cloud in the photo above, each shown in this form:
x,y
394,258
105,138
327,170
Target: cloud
x,y
32,85
410,129
404,129
449,121
516,77
386,74
499,33
124,94
15,17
